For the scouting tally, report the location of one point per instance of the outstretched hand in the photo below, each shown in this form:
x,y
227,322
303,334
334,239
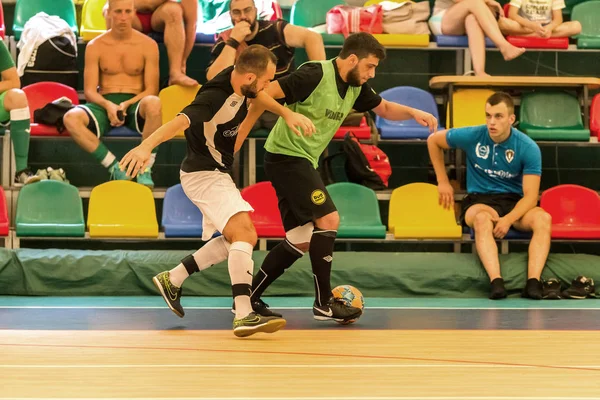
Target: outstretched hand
x,y
135,160
425,119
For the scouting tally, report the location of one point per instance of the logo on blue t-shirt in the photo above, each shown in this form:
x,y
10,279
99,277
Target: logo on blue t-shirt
x,y
482,151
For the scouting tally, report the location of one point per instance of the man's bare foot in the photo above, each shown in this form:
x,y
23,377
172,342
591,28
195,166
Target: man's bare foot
x,y
511,52
482,74
182,80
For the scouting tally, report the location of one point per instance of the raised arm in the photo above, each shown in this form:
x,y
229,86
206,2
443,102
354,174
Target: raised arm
x,y
312,42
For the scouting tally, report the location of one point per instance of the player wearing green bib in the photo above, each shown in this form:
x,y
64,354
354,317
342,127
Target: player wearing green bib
x,y
325,92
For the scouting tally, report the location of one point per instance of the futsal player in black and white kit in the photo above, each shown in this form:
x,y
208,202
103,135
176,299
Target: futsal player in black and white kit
x,y
214,132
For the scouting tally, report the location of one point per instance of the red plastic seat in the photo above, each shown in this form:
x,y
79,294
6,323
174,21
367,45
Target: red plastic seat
x,y
363,131
530,42
2,27
266,217
41,93
575,211
277,13
4,225
595,116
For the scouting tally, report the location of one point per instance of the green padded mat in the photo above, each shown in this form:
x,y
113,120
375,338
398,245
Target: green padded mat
x,y
129,273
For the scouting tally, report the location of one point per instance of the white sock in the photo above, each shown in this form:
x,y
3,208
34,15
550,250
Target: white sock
x,y
213,252
108,160
152,160
241,268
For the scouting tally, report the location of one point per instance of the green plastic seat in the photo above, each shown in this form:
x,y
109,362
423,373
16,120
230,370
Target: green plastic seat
x,y
552,116
25,9
588,14
49,208
213,8
309,13
259,133
359,211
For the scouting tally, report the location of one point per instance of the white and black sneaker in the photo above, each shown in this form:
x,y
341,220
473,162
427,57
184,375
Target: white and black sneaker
x,y
335,310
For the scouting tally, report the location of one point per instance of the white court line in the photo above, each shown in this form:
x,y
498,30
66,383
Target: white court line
x,y
316,398
459,365
302,308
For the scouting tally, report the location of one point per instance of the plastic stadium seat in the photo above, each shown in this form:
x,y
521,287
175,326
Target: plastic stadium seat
x,y
468,107
41,93
362,131
595,116
552,116
266,217
25,9
2,26
309,13
49,208
529,42
408,129
122,209
359,211
588,14
175,98
393,39
92,21
511,234
122,131
4,223
415,212
458,41
180,217
575,211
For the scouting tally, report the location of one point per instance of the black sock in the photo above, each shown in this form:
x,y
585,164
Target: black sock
x,y
280,258
321,256
497,290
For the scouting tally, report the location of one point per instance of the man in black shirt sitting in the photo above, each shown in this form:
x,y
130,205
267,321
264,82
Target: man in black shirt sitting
x,y
214,132
278,36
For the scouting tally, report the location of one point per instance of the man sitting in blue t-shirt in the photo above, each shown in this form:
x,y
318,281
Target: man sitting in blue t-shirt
x,y
504,167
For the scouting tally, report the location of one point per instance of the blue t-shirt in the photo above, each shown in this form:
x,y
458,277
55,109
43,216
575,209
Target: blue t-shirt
x,y
496,167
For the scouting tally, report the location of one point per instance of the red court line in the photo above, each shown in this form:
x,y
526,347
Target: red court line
x,y
294,353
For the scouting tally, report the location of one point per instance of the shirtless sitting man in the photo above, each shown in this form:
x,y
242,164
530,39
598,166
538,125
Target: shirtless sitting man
x,y
178,22
120,86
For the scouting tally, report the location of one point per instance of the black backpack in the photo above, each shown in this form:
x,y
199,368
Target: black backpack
x,y
53,113
54,60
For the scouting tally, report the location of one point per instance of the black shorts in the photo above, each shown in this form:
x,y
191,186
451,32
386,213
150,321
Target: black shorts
x,y
300,190
503,203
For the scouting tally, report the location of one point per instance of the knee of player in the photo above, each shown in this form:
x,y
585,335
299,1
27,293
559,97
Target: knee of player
x,y
172,12
482,220
542,222
329,221
16,98
576,28
300,236
245,233
72,118
151,106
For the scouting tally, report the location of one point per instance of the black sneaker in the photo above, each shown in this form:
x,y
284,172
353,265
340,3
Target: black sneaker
x,y
169,292
533,289
335,310
254,323
497,290
261,308
551,289
580,288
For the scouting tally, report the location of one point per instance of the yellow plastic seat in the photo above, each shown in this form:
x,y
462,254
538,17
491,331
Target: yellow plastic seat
x,y
394,39
122,209
469,107
175,98
415,213
92,21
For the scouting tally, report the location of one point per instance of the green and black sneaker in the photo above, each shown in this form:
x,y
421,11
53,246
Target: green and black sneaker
x,y
169,292
254,323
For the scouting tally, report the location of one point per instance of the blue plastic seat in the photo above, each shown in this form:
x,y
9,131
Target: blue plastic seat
x,y
511,234
458,41
408,129
180,217
122,131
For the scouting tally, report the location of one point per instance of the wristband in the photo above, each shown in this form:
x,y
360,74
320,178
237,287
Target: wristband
x,y
233,43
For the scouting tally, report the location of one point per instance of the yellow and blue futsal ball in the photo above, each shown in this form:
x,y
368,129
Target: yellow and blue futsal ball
x,y
351,297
